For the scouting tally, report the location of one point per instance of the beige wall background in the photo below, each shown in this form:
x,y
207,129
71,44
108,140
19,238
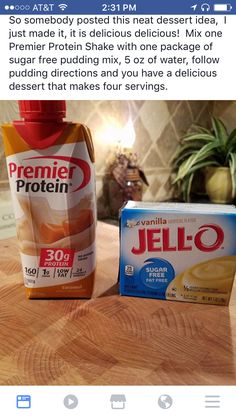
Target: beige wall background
x,y
157,126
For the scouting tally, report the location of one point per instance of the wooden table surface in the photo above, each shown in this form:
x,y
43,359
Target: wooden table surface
x,y
110,340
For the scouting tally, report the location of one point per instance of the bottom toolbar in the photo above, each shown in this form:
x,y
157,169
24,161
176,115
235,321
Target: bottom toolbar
x,y
113,401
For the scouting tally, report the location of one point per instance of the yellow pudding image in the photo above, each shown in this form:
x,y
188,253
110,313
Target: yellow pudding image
x,y
207,282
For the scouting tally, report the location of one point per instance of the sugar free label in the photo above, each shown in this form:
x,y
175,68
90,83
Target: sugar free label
x,y
157,273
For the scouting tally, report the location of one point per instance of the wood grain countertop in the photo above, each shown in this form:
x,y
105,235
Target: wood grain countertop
x,y
110,340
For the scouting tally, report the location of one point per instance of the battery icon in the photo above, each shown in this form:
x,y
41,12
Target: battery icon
x,y
222,7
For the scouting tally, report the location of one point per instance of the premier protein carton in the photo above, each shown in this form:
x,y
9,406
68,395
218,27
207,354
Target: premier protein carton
x,y
182,252
51,172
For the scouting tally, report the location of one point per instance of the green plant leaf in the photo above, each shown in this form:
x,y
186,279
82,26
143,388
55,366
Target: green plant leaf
x,y
232,165
184,167
186,187
206,153
197,167
203,164
219,130
203,137
231,142
200,129
182,157
182,151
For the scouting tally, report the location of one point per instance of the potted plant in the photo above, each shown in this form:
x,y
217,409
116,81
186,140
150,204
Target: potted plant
x,y
213,153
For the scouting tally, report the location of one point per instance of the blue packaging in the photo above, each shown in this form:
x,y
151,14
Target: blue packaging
x,y
175,251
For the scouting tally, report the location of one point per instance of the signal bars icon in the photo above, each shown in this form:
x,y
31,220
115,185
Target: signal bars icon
x,y
62,6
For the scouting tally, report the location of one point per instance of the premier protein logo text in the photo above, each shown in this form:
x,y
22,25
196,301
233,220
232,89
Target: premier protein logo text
x,y
157,240
34,178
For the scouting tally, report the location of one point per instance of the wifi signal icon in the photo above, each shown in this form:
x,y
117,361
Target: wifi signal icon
x,y
62,6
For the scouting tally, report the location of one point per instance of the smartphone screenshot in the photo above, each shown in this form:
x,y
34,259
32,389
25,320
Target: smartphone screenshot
x,y
117,208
